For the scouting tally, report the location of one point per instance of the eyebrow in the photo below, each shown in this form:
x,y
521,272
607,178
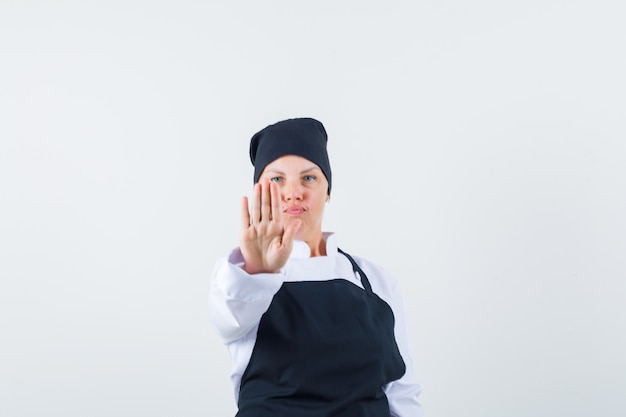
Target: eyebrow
x,y
275,171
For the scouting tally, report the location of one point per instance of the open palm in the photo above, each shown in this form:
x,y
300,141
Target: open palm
x,y
265,240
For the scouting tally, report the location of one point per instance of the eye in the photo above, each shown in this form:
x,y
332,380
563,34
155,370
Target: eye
x,y
276,179
309,178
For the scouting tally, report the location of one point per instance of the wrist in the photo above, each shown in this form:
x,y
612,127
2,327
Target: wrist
x,y
252,270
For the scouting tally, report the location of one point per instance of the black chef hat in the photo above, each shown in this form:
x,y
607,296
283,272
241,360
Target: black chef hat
x,y
304,137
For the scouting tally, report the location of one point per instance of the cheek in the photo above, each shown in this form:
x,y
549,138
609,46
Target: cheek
x,y
320,205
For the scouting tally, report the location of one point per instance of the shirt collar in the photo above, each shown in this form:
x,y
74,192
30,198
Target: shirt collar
x,y
301,249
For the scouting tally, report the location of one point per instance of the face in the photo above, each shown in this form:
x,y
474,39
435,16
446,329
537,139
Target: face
x,y
303,191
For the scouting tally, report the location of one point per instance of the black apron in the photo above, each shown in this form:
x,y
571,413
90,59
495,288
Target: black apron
x,y
323,349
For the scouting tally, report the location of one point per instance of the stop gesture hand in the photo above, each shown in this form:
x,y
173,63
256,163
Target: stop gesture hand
x,y
265,240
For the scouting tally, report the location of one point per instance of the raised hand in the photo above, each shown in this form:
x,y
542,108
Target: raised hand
x,y
265,240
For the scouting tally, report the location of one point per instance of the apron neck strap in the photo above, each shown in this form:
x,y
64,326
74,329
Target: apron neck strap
x,y
357,269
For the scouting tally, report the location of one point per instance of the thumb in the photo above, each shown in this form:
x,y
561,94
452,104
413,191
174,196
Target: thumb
x,y
290,232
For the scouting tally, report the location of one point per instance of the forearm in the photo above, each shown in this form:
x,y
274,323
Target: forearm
x,y
237,300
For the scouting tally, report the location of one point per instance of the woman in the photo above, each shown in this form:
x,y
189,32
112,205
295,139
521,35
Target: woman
x,y
311,330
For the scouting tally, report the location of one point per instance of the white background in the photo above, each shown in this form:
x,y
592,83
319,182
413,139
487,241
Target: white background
x,y
478,151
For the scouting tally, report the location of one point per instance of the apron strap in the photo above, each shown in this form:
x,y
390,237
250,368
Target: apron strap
x,y
357,269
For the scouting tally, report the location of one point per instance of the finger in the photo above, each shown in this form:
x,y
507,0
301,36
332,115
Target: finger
x,y
245,214
277,210
256,204
266,200
290,232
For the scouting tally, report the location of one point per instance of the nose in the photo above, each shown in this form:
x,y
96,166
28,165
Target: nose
x,y
292,191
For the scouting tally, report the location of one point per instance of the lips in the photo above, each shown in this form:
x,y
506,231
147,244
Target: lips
x,y
294,210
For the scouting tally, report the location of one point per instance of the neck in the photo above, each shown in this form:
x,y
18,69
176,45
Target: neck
x,y
318,246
